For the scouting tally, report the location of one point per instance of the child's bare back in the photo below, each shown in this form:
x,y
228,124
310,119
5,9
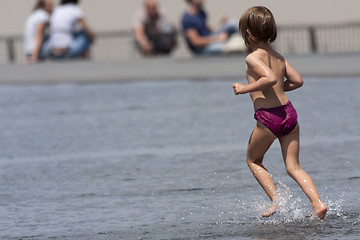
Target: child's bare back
x,y
270,61
267,65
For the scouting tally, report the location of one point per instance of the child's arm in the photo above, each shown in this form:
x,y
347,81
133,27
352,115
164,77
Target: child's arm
x,y
266,77
293,78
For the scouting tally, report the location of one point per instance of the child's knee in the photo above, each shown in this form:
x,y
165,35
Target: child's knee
x,y
292,170
251,161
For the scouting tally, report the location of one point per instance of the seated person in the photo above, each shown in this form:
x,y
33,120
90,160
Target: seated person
x,y
36,41
199,37
154,33
66,42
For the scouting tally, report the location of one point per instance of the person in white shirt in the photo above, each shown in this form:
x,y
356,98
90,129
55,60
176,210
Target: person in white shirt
x,y
65,39
36,41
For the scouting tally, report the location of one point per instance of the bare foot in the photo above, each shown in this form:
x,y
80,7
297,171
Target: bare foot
x,y
319,211
270,211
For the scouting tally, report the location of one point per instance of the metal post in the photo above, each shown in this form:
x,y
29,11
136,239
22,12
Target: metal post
x,y
11,49
313,40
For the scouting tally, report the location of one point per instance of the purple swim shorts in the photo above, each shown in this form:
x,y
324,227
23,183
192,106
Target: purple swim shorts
x,y
279,120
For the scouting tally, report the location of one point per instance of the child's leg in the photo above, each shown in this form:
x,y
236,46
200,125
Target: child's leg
x,y
260,141
290,150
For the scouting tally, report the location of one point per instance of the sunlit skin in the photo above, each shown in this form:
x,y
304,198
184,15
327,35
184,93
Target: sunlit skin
x,y
266,70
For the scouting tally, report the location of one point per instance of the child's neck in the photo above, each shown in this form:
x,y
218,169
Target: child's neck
x,y
261,46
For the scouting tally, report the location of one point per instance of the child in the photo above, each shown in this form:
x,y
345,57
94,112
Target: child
x,y
275,115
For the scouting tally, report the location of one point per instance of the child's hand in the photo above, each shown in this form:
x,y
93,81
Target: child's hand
x,y
239,88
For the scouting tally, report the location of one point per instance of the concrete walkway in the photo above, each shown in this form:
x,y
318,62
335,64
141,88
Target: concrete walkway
x,y
169,68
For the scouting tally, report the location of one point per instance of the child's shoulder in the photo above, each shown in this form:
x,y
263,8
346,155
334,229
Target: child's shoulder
x,y
256,56
253,57
264,56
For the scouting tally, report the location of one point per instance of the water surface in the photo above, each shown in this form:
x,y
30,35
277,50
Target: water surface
x,y
166,160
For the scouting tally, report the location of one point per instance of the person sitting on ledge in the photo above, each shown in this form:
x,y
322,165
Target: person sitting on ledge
x,y
36,39
200,39
154,33
66,41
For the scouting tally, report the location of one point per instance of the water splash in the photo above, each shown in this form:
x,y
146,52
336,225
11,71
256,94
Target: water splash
x,y
289,207
335,206
218,207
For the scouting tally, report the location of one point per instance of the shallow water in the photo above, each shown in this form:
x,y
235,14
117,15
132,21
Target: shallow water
x,y
165,160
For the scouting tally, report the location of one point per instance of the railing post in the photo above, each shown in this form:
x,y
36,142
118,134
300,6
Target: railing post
x,y
11,50
313,40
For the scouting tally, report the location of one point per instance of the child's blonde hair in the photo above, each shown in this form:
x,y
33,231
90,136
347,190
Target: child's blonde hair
x,y
257,24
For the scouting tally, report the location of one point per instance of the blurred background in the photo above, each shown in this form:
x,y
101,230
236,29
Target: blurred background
x,y
305,26
115,15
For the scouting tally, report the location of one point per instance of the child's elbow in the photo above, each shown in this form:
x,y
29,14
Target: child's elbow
x,y
272,80
301,82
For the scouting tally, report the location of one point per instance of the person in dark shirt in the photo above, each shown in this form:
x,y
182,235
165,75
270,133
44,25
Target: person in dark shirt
x,y
200,39
154,33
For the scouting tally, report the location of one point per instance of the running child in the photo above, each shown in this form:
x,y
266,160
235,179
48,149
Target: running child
x,y
269,76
